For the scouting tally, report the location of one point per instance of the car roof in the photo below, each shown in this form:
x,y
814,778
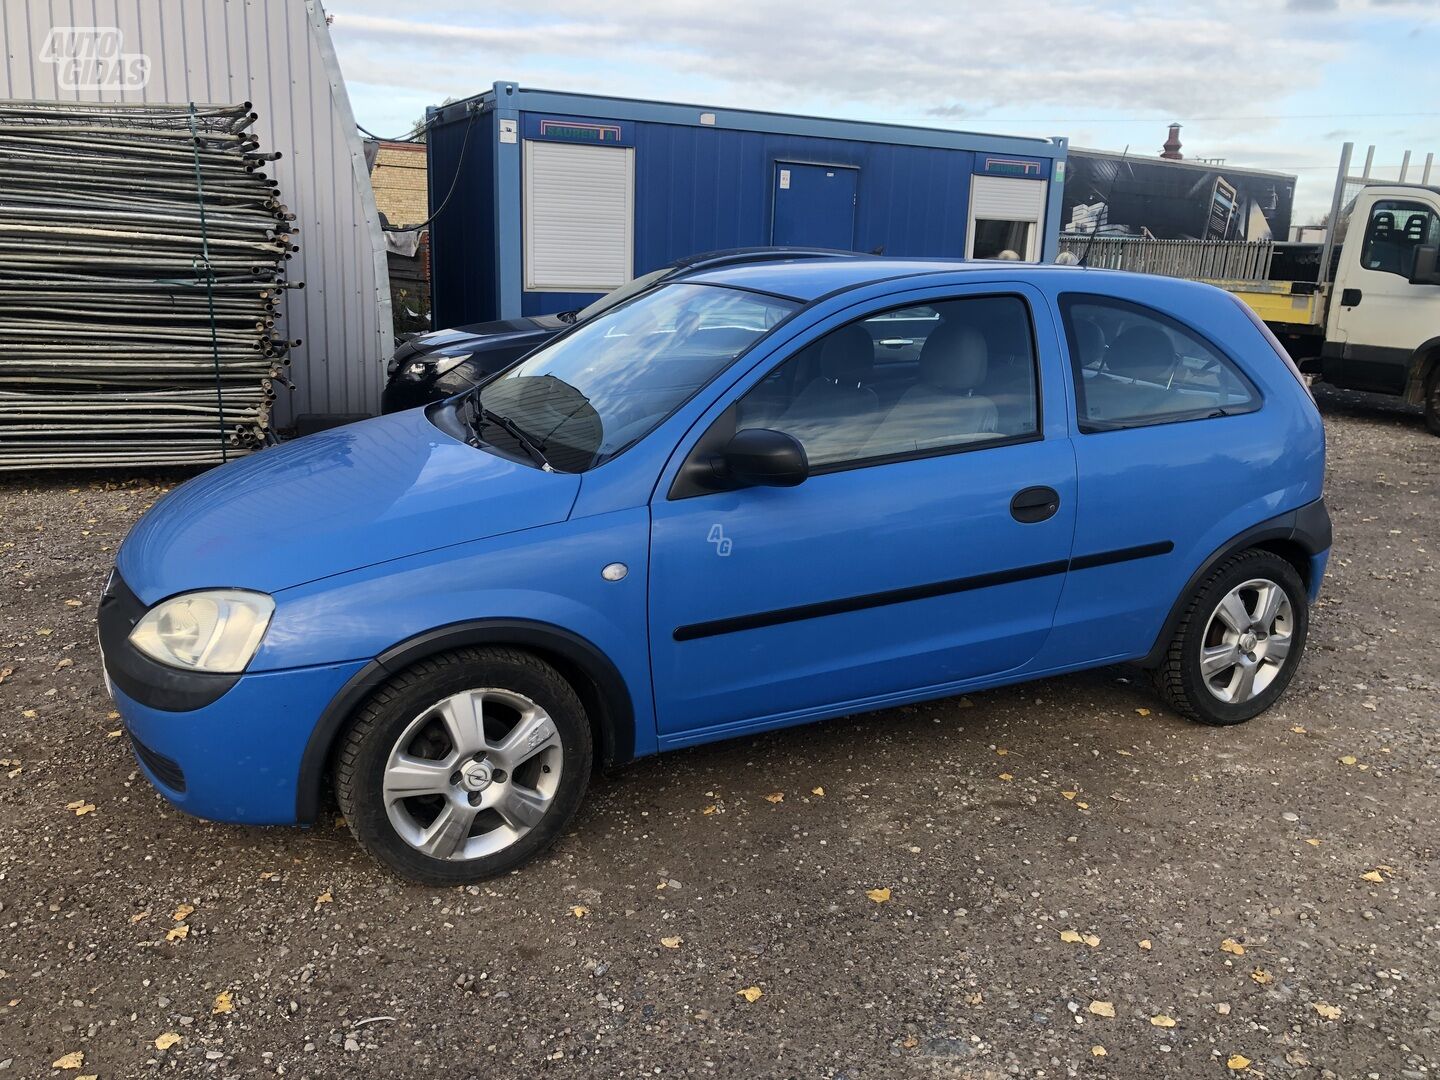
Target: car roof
x,y
743,255
806,279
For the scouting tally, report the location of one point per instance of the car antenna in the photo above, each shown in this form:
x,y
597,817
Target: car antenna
x,y
1085,257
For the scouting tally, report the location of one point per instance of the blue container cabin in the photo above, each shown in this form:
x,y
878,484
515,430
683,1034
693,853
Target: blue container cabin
x,y
559,198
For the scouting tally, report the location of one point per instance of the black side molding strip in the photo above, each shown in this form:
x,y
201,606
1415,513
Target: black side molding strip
x,y
716,627
1109,558
869,600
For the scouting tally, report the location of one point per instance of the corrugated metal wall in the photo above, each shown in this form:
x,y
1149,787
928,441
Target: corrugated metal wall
x,y
276,54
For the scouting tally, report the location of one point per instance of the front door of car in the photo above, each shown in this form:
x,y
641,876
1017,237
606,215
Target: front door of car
x,y
928,545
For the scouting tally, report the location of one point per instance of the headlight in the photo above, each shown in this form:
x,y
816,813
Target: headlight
x,y
217,630
449,363
419,369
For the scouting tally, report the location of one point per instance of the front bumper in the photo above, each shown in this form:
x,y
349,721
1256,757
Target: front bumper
x,y
227,748
237,759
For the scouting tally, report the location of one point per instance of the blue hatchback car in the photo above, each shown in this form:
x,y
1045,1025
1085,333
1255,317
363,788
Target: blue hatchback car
x,y
750,497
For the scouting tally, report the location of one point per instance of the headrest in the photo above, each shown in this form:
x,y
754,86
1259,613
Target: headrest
x,y
1384,222
1415,227
847,356
954,358
1141,352
1089,341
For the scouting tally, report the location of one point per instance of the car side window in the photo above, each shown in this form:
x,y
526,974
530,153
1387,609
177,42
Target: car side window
x,y
1134,367
1394,231
910,380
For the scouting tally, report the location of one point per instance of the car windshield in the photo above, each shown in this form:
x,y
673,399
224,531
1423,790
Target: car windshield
x,y
581,400
634,287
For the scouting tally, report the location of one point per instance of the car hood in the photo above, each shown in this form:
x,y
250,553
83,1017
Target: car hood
x,y
335,501
481,335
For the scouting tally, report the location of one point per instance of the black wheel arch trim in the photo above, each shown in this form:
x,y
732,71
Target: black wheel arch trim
x,y
1308,527
616,719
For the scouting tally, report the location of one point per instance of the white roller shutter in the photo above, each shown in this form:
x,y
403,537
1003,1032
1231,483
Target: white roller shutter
x,y
579,217
999,198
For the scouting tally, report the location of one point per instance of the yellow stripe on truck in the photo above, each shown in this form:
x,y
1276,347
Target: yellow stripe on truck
x,y
1276,302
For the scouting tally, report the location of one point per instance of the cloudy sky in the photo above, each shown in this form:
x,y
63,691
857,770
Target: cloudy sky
x,y
1276,84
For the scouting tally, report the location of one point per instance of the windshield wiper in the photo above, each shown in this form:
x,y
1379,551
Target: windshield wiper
x,y
480,414
567,316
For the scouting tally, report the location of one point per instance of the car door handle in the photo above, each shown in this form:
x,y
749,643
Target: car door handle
x,y
1034,504
1349,297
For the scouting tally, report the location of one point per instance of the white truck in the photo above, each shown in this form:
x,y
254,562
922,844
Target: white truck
x,y
1371,318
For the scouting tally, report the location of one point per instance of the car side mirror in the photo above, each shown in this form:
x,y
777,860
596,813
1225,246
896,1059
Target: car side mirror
x,y
764,457
1426,272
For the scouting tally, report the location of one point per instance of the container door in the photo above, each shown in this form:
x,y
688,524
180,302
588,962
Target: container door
x,y
814,205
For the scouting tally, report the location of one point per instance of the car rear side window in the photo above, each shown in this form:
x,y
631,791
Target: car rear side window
x,y
1134,366
949,375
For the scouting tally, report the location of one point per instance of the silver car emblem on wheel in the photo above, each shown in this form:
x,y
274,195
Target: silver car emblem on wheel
x,y
472,774
1247,641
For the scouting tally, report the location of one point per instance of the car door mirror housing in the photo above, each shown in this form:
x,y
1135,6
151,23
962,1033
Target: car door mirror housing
x,y
1426,271
763,457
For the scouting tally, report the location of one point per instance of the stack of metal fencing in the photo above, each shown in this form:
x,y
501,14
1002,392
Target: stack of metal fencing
x,y
142,266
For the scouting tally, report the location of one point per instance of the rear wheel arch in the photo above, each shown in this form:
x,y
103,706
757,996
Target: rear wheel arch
x,y
1293,553
590,673
1295,536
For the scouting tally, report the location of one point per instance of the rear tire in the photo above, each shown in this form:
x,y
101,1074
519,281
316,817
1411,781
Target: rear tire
x,y
1432,399
1239,641
464,766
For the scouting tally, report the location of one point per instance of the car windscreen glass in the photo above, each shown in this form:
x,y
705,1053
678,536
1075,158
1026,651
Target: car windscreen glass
x,y
585,397
618,296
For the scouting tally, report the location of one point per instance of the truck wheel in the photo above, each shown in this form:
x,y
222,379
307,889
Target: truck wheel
x,y
1239,641
465,765
1432,399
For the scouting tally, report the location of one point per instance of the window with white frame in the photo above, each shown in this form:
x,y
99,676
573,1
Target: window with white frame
x,y
579,217
1005,217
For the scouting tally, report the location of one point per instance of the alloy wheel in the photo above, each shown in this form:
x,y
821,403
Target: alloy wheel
x,y
1247,641
472,774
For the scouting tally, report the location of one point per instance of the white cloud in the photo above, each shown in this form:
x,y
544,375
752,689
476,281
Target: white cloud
x,y
1252,80
931,57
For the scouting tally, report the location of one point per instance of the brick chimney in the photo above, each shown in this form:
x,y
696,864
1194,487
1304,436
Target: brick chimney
x,y
1171,149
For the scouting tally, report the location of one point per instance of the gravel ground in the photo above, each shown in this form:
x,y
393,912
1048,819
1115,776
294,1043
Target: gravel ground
x,y
1079,882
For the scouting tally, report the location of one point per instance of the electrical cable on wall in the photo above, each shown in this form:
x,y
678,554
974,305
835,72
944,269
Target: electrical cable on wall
x,y
454,183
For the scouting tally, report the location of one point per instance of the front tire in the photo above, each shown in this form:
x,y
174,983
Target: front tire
x,y
1239,641
464,766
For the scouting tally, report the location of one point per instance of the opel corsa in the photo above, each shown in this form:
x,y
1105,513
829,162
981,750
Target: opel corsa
x,y
746,498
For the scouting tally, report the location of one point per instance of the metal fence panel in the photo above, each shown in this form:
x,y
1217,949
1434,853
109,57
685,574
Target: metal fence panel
x,y
278,55
1201,260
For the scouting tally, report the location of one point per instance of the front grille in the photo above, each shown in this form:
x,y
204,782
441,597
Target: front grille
x,y
165,769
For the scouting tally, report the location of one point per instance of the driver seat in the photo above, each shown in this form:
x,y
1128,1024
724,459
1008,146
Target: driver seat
x,y
943,407
835,411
